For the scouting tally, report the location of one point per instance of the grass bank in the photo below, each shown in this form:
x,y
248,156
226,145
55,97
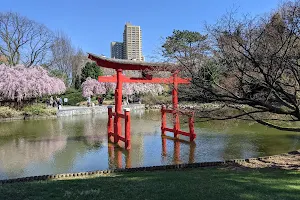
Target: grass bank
x,y
202,183
39,110
34,110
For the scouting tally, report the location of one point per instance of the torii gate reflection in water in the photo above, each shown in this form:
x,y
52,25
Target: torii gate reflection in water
x,y
114,125
115,154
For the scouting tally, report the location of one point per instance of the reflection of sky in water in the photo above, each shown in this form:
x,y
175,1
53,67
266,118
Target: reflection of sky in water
x,y
79,143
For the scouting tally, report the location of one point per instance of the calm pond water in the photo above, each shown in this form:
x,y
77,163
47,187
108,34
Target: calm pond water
x,y
79,143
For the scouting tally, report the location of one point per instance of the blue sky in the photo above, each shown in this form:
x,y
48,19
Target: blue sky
x,y
93,24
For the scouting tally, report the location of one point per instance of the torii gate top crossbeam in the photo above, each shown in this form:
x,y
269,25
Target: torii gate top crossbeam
x,y
125,79
131,64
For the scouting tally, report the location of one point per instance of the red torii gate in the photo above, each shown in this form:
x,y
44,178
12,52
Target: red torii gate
x,y
114,126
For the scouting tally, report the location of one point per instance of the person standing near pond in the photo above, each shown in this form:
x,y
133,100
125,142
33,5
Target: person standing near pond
x,y
100,100
51,101
60,101
88,101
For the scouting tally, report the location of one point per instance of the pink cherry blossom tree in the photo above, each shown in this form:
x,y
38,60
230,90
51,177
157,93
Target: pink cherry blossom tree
x,y
92,87
141,88
19,83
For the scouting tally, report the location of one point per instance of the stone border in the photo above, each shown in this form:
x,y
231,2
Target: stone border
x,y
34,117
76,111
95,110
137,169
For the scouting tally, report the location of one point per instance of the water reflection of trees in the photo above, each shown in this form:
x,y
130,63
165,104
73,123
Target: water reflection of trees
x,y
17,154
244,139
25,129
94,132
85,133
25,142
28,143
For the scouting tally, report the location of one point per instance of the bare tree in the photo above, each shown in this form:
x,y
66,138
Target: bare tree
x,y
23,40
258,64
62,54
78,62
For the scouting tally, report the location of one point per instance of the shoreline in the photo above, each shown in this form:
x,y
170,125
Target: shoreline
x,y
284,161
35,117
72,111
83,110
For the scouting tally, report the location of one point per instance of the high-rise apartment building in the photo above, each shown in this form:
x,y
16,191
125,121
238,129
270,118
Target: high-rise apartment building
x,y
132,42
131,48
116,50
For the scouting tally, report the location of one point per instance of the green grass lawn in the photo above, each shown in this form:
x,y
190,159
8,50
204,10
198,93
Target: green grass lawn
x,y
204,183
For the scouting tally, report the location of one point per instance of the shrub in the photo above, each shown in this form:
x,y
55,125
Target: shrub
x,y
39,109
7,112
156,100
110,95
74,97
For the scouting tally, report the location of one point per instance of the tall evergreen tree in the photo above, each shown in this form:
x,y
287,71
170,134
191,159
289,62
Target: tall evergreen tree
x,y
90,70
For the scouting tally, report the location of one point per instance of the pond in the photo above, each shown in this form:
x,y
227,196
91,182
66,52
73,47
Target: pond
x,y
79,143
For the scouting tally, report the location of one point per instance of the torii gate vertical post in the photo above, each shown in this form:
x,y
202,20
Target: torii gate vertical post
x,y
118,105
175,104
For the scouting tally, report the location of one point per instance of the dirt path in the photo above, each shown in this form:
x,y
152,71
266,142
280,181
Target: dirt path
x,y
289,160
